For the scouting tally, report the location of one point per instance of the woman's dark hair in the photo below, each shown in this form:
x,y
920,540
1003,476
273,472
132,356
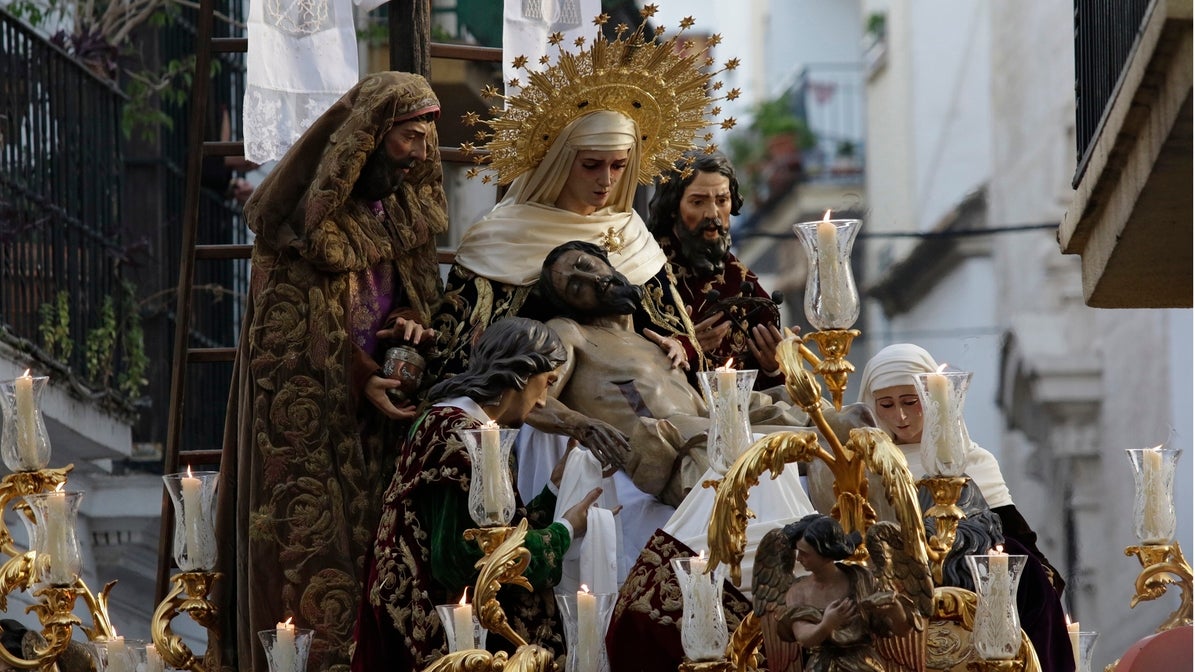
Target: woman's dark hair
x,y
825,535
12,634
664,207
507,355
979,532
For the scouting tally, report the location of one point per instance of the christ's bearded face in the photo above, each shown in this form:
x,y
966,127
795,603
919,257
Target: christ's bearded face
x,y
590,286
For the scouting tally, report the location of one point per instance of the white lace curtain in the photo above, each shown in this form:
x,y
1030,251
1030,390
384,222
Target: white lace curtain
x,y
302,58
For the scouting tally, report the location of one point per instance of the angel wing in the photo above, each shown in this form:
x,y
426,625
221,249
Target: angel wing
x,y
770,580
900,558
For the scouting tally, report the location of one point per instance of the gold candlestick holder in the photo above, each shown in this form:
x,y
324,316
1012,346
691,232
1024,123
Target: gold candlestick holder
x,y
27,570
189,595
55,611
946,514
16,485
505,560
834,345
1161,566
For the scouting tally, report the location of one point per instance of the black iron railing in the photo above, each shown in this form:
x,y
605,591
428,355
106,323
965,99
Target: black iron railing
x,y
1106,33
60,191
829,98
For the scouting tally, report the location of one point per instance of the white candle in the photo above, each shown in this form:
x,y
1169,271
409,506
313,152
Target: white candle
x,y
462,624
587,630
827,265
153,659
1072,629
491,468
703,589
118,657
26,422
57,539
938,388
193,516
285,653
1000,588
1152,481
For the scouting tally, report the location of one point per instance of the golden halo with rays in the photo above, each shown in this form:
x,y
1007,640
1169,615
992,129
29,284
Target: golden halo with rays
x,y
667,87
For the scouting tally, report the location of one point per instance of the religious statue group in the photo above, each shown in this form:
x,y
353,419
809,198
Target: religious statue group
x,y
344,495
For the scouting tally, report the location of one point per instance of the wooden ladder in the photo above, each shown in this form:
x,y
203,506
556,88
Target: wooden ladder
x,y
410,27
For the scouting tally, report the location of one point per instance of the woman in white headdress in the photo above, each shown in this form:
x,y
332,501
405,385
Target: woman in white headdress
x,y
886,386
573,140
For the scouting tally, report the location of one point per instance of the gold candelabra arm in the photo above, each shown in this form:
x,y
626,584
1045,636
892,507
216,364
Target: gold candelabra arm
x,y
744,643
1161,566
56,613
18,484
17,573
845,461
97,606
504,563
188,595
834,345
946,514
728,522
526,658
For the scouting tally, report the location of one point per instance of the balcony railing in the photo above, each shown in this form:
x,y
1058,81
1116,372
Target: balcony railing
x,y
60,190
1106,32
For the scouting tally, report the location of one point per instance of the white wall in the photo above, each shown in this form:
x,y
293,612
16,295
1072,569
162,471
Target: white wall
x,y
950,97
956,325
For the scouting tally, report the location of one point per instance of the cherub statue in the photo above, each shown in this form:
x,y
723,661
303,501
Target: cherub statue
x,y
838,610
841,610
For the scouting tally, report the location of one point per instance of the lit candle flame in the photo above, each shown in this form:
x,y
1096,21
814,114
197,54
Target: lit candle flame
x,y
701,555
941,367
189,475
464,597
826,217
27,373
288,620
998,550
60,486
584,588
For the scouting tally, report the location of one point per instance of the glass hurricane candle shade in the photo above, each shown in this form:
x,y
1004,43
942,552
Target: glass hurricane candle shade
x,y
120,655
491,492
1084,651
474,638
24,442
1153,506
728,396
996,634
944,442
831,298
194,497
286,649
56,543
586,618
703,632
